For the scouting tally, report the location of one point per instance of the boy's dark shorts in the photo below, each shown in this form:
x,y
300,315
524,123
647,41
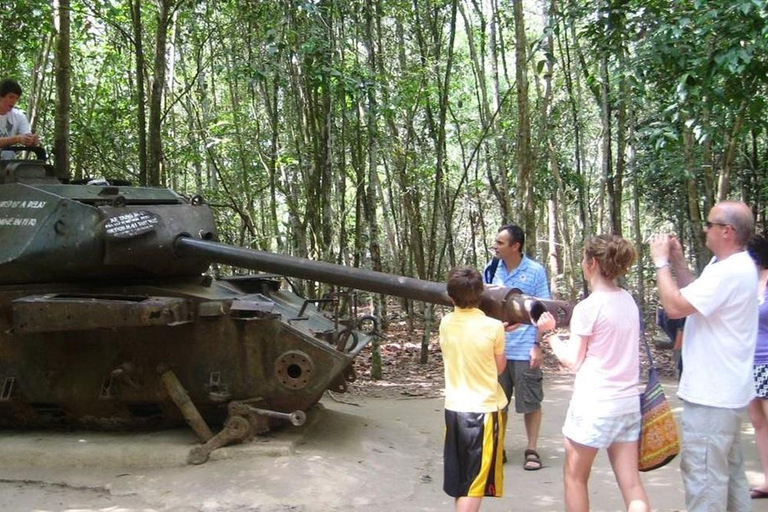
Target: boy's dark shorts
x,y
473,460
526,383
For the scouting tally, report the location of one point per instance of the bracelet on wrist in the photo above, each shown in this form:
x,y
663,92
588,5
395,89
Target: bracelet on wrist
x,y
548,332
659,264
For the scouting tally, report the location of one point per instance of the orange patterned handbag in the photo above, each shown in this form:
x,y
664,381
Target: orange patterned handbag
x,y
659,442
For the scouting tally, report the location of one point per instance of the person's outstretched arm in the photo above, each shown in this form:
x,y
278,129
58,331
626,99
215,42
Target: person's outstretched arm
x,y
666,249
29,139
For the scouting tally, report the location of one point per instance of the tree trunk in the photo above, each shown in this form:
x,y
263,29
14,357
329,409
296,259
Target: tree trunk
x,y
501,190
271,100
546,147
554,259
61,129
574,100
155,145
496,166
732,141
39,78
525,210
429,326
692,193
607,186
637,192
141,100
444,196
371,199
621,147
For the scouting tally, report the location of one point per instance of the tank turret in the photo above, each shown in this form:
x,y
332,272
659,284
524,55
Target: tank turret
x,y
107,319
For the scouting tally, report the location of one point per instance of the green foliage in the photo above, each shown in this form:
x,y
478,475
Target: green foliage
x,y
276,111
23,25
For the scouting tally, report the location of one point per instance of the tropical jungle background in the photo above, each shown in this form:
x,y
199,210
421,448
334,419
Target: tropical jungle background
x,y
398,135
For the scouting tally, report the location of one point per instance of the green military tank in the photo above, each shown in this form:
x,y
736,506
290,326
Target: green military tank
x,y
108,319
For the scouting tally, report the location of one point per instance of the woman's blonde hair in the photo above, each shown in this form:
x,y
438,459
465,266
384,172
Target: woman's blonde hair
x,y
614,254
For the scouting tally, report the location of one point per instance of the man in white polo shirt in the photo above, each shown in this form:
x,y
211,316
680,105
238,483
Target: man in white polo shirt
x,y
718,347
14,126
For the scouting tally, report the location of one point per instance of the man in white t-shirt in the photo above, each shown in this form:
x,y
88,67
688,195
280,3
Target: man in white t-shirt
x,y
14,126
718,347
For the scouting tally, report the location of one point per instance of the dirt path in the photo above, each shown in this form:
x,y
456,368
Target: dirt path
x,y
369,455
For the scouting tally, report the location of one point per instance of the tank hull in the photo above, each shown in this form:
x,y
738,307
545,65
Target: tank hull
x,y
93,355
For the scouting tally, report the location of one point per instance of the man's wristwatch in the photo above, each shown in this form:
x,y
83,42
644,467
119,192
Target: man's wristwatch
x,y
659,264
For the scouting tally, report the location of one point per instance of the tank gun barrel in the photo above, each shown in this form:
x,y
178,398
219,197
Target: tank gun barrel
x,y
506,304
351,277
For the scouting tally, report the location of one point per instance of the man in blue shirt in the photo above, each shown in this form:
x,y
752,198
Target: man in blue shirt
x,y
523,373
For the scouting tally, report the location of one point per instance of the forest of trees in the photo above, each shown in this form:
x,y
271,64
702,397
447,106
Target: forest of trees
x,y
400,134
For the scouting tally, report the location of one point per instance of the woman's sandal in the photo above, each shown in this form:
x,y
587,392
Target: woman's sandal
x,y
532,461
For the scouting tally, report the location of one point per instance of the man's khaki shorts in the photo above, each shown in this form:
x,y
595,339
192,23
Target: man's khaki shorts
x,y
526,384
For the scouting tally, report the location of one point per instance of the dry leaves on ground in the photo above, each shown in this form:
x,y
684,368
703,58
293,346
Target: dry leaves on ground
x,y
404,376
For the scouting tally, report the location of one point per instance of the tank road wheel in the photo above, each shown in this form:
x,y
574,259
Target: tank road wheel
x,y
347,340
368,324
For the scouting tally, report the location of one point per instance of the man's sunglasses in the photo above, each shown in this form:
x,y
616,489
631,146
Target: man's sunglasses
x,y
710,224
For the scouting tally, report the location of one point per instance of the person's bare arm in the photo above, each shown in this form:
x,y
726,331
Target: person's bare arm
x,y
501,363
683,274
29,139
535,356
678,340
501,359
571,352
9,141
665,249
671,299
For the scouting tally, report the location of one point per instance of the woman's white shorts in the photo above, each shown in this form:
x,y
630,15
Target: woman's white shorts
x,y
601,432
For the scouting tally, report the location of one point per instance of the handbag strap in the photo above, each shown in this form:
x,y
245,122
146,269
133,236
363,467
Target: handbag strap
x,y
651,366
648,352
